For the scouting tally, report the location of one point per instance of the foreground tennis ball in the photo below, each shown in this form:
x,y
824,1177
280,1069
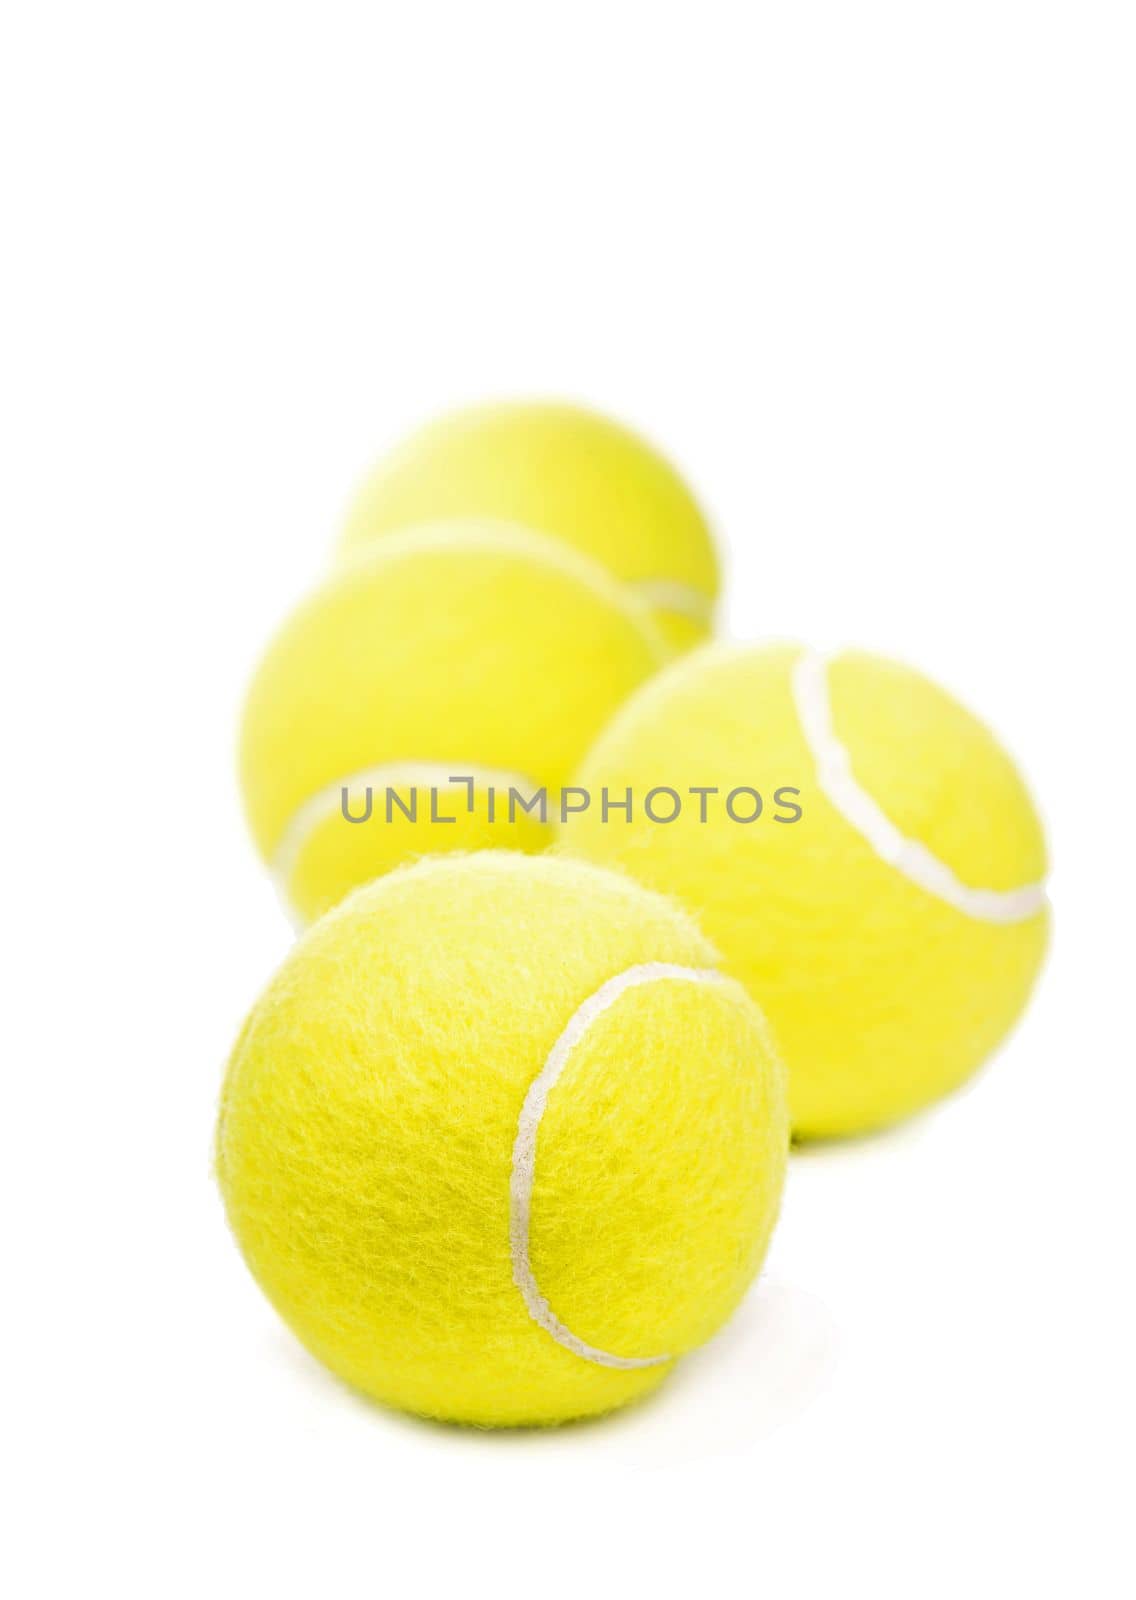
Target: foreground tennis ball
x,y
499,1142
569,473
889,917
424,696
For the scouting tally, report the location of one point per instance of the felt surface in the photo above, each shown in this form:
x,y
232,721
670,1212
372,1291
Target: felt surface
x,y
466,646
881,996
560,469
368,1119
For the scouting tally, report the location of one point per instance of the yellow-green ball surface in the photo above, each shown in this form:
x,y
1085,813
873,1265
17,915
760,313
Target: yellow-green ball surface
x,y
462,651
499,1142
566,472
893,931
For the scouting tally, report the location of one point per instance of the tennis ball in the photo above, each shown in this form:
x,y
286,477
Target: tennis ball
x,y
429,692
566,472
889,918
499,1142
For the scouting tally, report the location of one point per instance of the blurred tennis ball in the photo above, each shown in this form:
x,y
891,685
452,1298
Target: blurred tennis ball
x,y
893,931
567,472
420,688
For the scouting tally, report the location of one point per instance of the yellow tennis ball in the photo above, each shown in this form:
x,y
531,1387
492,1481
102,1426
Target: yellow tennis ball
x,y
566,472
424,696
886,907
499,1142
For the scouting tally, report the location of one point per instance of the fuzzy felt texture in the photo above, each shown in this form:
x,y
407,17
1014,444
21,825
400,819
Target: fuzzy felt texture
x,y
882,997
569,473
466,646
366,1138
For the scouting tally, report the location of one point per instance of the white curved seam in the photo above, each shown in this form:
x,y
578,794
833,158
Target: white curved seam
x,y
411,774
918,864
524,1151
669,595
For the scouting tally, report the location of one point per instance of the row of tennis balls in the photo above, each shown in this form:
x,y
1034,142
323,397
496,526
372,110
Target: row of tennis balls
x,y
507,1133
892,935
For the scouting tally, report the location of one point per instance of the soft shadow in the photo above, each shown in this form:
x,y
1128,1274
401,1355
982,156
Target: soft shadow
x,y
905,1134
762,1371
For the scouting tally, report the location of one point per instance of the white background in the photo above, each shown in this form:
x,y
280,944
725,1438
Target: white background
x,y
867,271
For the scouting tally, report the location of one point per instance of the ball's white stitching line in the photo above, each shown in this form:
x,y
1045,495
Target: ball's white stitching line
x,y
524,1151
860,811
420,774
669,595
